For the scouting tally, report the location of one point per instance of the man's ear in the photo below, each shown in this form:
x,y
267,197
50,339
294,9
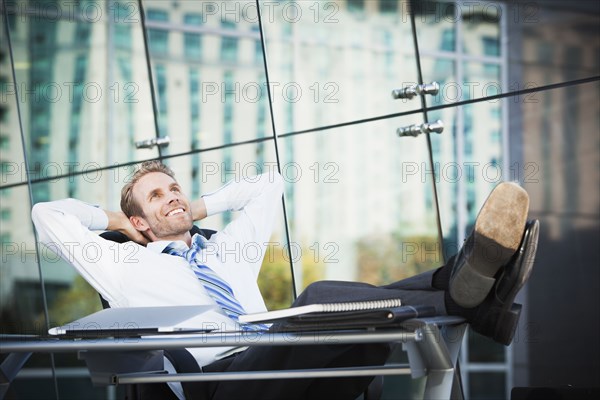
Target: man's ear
x,y
139,223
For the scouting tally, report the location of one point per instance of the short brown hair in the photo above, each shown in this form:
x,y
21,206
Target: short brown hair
x,y
128,204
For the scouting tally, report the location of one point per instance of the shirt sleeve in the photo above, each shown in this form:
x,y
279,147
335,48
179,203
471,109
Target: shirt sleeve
x,y
66,227
257,199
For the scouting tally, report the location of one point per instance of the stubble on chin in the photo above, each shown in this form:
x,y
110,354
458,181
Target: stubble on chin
x,y
169,228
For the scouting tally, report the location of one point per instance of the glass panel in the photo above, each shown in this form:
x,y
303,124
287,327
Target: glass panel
x,y
449,32
21,302
436,23
482,142
359,202
84,91
12,164
481,28
487,385
559,169
209,73
333,62
557,159
449,167
483,349
472,31
207,171
553,44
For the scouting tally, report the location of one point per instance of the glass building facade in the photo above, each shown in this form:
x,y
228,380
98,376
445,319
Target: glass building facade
x,y
304,87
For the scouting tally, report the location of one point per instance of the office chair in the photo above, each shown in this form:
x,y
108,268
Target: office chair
x,y
181,359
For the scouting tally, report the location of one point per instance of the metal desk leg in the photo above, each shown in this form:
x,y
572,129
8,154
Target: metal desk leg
x,y
435,355
9,368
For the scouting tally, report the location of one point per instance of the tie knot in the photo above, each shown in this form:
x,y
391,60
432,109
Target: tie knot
x,y
180,249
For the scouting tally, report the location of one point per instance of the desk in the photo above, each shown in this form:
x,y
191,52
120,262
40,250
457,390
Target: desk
x,y
432,345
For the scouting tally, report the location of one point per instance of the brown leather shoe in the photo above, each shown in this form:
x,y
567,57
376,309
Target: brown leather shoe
x,y
495,238
497,316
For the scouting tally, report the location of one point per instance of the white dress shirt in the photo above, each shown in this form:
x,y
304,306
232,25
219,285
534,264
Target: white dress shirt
x,y
131,275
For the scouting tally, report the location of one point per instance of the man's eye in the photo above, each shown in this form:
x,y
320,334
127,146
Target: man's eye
x,y
175,190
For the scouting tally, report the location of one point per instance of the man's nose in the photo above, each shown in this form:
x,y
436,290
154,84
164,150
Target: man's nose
x,y
173,197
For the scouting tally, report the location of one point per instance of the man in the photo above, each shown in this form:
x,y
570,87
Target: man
x,y
174,268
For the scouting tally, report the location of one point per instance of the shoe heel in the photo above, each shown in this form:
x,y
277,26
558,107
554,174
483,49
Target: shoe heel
x,y
507,325
469,288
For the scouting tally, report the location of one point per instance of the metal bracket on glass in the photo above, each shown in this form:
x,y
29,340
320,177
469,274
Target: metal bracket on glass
x,y
150,143
411,91
416,130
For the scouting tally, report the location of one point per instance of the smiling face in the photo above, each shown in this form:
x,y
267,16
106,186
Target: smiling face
x,y
166,212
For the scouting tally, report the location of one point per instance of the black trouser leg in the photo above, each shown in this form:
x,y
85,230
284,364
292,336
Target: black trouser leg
x,y
415,290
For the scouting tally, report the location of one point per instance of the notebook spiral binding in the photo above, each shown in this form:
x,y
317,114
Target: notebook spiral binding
x,y
361,305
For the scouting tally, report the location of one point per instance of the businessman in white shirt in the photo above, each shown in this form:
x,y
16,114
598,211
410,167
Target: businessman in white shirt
x,y
158,217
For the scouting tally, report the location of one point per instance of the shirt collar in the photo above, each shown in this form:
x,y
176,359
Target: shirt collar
x,y
160,245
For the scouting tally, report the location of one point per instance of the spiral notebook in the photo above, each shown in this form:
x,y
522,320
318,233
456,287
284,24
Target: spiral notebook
x,y
320,308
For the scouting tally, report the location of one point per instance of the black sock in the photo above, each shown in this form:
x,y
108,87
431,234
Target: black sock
x,y
441,277
454,309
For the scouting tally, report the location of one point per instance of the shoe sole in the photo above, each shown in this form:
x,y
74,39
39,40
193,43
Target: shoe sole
x,y
496,237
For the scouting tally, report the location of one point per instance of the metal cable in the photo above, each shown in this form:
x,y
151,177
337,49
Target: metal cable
x,y
319,129
150,76
428,135
276,143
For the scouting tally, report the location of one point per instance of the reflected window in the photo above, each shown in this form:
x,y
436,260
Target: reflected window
x,y
122,30
161,85
5,237
229,45
3,85
195,128
545,52
157,15
158,39
491,45
388,6
82,33
491,71
448,40
258,53
487,385
123,36
356,5
4,142
3,113
192,42
573,56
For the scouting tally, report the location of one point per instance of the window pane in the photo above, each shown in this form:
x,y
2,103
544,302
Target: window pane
x,y
352,221
12,164
76,103
487,385
329,63
483,349
481,27
436,25
209,76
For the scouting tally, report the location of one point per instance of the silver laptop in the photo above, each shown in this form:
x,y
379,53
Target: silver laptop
x,y
136,321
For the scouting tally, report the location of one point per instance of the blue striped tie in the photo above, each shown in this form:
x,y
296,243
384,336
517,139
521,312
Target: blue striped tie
x,y
216,287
